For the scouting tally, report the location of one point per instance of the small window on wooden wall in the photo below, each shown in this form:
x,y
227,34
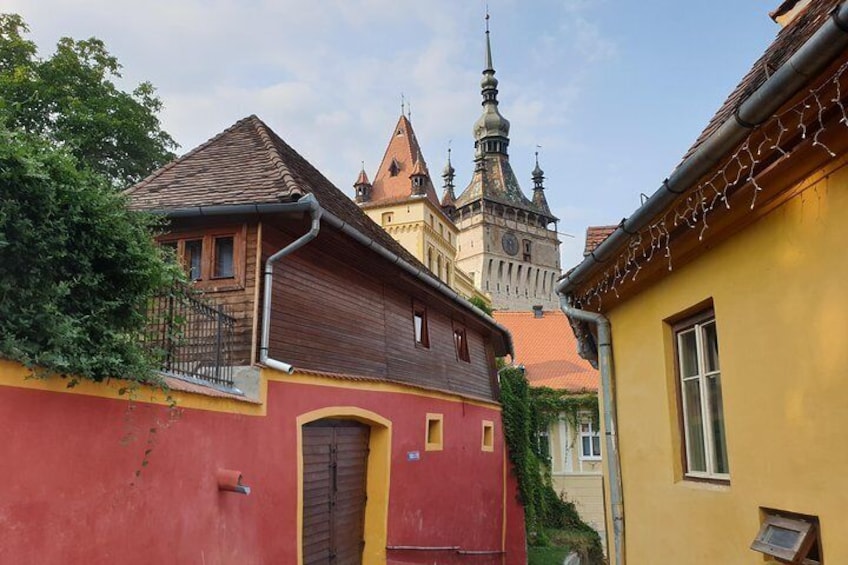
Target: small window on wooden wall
x,y
420,325
488,436
460,341
209,258
434,440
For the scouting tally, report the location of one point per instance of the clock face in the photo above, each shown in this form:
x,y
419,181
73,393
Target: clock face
x,y
510,243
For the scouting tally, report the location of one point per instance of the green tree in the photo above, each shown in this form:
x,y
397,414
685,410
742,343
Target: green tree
x,y
77,269
70,99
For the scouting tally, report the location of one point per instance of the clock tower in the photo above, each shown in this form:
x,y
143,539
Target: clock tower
x,y
507,242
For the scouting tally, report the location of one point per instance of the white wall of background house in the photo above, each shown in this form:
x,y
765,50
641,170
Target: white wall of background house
x,y
577,467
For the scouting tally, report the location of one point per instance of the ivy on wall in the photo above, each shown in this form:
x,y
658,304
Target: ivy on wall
x,y
526,412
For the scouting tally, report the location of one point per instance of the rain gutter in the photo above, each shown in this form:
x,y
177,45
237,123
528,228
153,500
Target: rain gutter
x,y
812,57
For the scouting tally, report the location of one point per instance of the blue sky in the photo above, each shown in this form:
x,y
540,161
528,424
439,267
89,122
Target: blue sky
x,y
613,91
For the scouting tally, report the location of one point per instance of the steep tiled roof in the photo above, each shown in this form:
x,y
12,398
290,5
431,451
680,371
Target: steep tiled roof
x,y
249,164
547,348
496,182
595,235
788,40
403,156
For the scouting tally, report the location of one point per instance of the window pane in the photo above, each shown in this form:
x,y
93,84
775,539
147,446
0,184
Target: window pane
x,y
194,258
688,354
223,257
716,415
586,447
711,346
695,428
419,327
584,427
596,446
781,537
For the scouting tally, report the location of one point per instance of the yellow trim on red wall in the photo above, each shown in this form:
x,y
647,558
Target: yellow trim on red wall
x,y
377,478
16,375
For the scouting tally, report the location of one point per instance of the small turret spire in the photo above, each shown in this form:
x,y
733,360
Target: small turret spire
x,y
538,175
362,186
448,196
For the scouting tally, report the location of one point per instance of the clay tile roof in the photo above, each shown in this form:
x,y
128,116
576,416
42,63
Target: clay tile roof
x,y
249,164
787,42
404,151
595,235
547,348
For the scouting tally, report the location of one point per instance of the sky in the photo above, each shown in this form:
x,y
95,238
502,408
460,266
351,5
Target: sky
x,y
613,92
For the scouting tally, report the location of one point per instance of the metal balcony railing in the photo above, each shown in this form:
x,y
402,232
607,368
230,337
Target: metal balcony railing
x,y
193,337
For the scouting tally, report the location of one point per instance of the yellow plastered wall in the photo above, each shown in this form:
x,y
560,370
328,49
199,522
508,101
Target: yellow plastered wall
x,y
780,293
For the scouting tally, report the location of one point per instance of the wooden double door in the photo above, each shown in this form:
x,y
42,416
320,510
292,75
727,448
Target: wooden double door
x,y
335,463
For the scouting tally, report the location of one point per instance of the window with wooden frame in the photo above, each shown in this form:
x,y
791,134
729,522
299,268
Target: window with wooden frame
x,y
590,439
700,399
460,342
791,538
420,326
212,258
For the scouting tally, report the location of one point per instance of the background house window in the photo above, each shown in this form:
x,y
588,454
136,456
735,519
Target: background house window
x,y
700,399
387,218
419,323
526,248
590,440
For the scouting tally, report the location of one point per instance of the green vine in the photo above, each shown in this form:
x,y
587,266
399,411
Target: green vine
x,y
526,412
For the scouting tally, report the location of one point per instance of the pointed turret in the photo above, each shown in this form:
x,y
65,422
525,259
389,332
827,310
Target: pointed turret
x,y
448,196
403,171
362,186
539,200
419,177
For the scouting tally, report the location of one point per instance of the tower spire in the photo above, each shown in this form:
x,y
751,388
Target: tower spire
x,y
491,131
538,176
448,195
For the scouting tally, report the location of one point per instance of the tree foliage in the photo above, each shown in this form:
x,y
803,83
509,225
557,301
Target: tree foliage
x,y
70,99
524,416
76,267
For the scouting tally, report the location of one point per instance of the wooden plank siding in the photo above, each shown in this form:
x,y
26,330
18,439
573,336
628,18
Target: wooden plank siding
x,y
331,312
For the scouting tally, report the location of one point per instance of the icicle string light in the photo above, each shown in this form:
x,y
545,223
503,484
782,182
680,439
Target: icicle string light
x,y
737,173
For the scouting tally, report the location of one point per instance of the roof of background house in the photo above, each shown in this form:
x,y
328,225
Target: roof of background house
x,y
547,348
595,235
404,152
249,164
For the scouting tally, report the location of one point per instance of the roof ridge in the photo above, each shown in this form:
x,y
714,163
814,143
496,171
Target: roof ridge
x,y
158,172
291,181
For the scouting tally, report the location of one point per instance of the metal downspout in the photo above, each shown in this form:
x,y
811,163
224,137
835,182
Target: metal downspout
x,y
605,366
310,204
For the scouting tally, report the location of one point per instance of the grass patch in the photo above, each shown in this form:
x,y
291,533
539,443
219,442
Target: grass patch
x,y
558,543
546,555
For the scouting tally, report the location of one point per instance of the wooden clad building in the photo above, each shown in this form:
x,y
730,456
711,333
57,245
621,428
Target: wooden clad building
x,y
392,395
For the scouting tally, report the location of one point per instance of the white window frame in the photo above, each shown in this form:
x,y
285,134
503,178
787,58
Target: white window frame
x,y
702,377
591,434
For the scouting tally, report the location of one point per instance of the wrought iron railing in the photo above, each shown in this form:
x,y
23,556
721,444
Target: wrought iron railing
x,y
193,337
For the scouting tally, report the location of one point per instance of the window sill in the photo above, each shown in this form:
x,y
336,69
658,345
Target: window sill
x,y
218,285
591,459
701,483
